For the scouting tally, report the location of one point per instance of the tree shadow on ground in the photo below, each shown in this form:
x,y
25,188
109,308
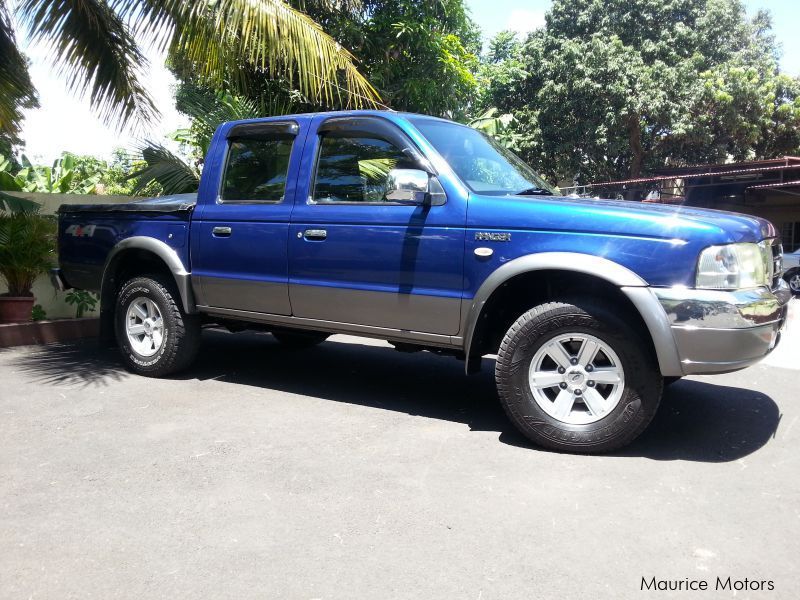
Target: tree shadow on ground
x,y
82,363
697,421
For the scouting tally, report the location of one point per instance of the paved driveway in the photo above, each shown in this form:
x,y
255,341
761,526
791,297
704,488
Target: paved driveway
x,y
354,471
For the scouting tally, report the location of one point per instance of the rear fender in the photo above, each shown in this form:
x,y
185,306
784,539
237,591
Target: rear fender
x,y
161,250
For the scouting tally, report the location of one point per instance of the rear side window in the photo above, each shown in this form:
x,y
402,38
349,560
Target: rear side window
x,y
256,169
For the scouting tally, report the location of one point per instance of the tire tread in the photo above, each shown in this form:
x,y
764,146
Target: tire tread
x,y
567,309
182,343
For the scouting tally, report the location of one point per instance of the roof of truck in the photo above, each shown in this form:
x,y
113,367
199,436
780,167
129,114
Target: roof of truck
x,y
346,113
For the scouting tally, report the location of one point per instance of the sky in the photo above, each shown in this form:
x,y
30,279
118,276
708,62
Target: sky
x,y
66,123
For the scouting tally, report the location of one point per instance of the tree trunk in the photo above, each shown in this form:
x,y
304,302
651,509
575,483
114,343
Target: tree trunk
x,y
635,140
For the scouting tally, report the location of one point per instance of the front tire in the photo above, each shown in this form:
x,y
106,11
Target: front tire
x,y
155,335
575,377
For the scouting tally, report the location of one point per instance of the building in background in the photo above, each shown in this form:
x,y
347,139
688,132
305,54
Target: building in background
x,y
765,188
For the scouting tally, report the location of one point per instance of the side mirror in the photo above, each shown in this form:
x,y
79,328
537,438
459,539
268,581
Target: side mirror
x,y
410,186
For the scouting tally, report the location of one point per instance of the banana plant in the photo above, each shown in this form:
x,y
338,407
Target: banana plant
x,y
8,182
56,179
498,126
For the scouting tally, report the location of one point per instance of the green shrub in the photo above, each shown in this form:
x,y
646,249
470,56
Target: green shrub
x,y
27,249
82,300
38,313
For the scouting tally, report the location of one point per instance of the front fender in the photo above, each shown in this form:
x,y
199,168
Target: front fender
x,y
629,283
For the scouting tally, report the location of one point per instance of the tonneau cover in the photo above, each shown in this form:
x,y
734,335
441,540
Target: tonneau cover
x,y
163,204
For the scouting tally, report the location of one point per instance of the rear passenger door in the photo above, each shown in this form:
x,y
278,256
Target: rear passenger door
x,y
240,258
359,257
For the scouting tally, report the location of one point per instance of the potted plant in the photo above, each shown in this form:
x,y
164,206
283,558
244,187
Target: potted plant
x,y
27,250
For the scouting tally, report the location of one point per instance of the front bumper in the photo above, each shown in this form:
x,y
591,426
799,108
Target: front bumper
x,y
720,331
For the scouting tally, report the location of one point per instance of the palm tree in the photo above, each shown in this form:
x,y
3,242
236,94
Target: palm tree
x,y
16,89
207,110
97,45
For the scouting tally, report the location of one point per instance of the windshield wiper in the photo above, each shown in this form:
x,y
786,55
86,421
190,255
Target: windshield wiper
x,y
534,191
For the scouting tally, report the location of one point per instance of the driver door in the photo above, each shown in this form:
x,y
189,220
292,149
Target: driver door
x,y
356,256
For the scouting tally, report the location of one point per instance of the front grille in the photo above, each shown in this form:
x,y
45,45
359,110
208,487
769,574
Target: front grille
x,y
777,260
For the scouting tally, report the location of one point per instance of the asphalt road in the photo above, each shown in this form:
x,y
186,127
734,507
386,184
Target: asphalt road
x,y
354,471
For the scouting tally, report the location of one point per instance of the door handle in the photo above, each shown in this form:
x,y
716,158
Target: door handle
x,y
315,234
221,231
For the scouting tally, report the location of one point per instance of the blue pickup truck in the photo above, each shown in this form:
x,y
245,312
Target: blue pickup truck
x,y
430,235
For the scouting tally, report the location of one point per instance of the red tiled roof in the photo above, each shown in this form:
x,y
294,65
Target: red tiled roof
x,y
775,185
677,175
785,160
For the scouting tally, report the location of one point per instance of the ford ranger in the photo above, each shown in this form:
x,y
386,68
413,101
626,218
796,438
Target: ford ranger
x,y
430,235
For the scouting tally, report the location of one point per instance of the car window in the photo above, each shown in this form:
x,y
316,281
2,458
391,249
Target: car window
x,y
483,164
256,169
356,169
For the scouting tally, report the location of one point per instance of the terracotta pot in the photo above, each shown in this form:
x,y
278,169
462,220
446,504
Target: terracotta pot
x,y
16,309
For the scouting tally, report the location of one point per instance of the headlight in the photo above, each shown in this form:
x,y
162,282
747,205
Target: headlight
x,y
734,266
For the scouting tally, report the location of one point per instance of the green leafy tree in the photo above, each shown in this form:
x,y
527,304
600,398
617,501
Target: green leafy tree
x,y
111,178
420,55
615,88
96,43
499,74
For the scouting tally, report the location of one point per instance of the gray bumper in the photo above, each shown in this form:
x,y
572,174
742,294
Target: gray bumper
x,y
718,331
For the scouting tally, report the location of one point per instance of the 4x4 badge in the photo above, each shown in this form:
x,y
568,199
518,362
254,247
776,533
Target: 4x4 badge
x,y
491,236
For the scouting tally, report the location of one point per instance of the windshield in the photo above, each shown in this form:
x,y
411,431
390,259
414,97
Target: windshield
x,y
483,164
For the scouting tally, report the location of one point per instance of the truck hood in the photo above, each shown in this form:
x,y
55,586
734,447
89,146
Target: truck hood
x,y
619,217
658,242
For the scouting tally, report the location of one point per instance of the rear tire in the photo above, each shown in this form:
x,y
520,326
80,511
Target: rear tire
x,y
594,385
153,332
299,340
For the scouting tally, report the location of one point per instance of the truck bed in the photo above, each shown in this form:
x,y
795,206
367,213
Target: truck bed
x,y
88,232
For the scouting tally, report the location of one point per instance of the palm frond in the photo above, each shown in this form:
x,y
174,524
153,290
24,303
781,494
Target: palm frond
x,y
345,6
27,249
151,20
94,43
277,39
16,89
172,173
156,18
376,170
208,110
95,50
12,204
